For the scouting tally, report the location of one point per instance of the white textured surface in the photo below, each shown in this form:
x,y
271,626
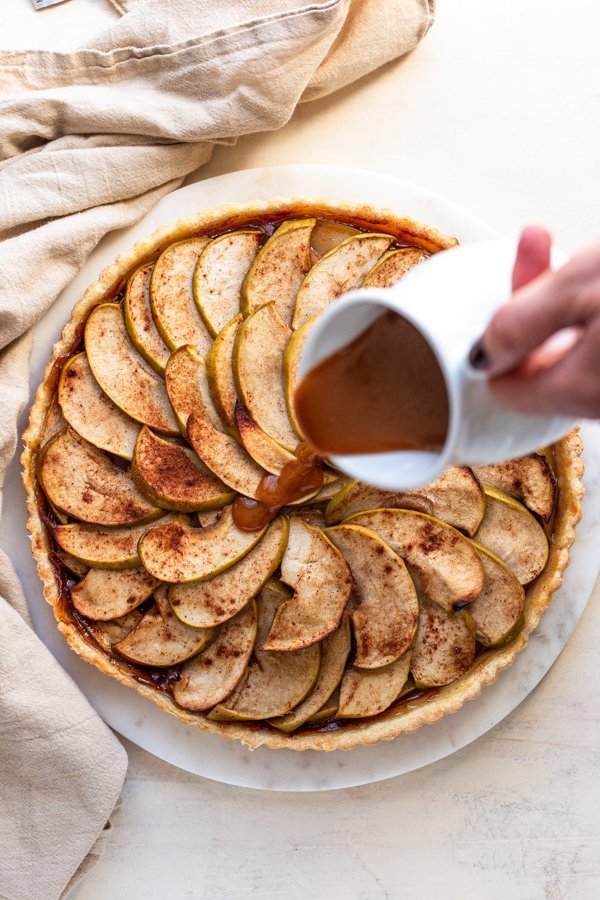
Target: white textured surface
x,y
499,110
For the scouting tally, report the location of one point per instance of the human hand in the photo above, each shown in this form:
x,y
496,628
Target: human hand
x,y
542,348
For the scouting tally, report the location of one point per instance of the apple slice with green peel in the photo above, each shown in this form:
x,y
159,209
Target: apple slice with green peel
x,y
218,277
444,647
274,683
513,533
104,548
172,299
224,457
258,371
108,593
54,421
327,711
270,455
334,653
178,553
393,265
326,235
212,675
368,692
445,563
173,477
187,387
340,270
279,269
332,486
529,479
74,565
91,413
311,515
205,604
291,370
114,630
322,582
140,325
456,498
85,483
498,611
160,639
121,372
219,370
386,613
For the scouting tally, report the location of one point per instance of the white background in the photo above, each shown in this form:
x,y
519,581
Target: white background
x,y
499,110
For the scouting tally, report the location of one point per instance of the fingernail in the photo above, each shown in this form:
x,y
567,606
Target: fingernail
x,y
478,358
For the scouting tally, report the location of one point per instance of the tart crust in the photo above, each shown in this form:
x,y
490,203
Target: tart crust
x,y
402,719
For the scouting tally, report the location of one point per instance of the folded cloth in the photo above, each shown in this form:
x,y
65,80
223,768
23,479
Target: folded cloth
x,y
89,141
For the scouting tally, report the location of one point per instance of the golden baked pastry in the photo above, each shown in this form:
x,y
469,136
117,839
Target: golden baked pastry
x,y
355,615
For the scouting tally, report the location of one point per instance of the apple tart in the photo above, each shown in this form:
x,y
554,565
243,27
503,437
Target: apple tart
x,y
352,616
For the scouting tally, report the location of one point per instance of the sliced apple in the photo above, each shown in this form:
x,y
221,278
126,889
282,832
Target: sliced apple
x,y
224,456
340,270
445,563
327,234
121,372
274,683
456,498
74,565
108,594
368,692
513,533
111,632
54,421
160,639
187,387
173,477
104,548
178,553
334,653
333,483
257,366
444,647
393,265
91,413
172,299
279,268
141,328
85,483
327,711
263,449
498,611
204,604
529,479
219,370
386,613
221,269
322,582
208,518
291,370
311,515
212,675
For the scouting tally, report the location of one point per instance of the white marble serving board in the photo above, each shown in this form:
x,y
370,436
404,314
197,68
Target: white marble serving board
x,y
227,761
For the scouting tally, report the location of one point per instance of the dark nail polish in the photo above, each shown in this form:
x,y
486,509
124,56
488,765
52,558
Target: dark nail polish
x,y
478,357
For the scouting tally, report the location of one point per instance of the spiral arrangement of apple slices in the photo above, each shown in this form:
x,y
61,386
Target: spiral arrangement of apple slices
x,y
180,401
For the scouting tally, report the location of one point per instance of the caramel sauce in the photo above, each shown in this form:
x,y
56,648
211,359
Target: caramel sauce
x,y
300,477
382,392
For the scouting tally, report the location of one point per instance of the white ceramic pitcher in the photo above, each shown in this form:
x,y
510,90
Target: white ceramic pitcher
x,y
450,299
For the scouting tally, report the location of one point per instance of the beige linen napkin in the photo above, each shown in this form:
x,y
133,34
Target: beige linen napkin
x,y
89,141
